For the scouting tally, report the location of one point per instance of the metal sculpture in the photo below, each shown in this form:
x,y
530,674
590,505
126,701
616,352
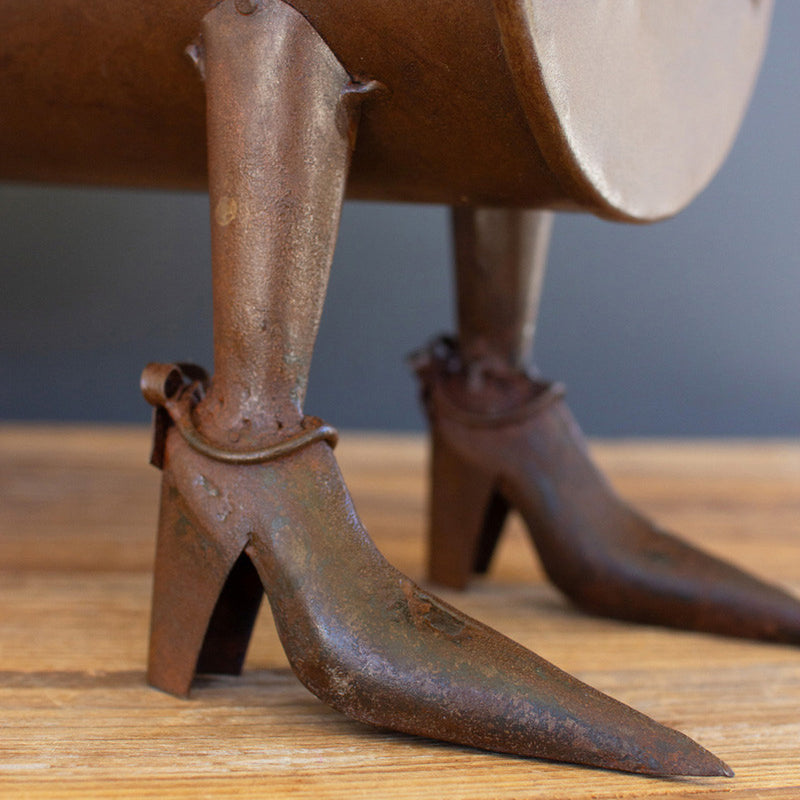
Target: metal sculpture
x,y
505,104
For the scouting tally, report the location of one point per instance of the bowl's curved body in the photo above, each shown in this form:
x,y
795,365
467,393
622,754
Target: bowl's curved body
x,y
622,109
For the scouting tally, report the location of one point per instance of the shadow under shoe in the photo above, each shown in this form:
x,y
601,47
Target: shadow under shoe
x,y
504,440
359,634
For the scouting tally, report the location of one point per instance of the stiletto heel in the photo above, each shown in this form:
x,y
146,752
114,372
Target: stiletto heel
x,y
466,517
190,574
605,557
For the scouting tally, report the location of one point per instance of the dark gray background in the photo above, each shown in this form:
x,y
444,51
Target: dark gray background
x,y
688,327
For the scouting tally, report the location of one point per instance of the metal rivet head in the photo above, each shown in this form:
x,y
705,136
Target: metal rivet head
x,y
247,6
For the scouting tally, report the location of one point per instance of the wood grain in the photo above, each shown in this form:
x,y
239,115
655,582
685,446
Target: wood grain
x,y
77,520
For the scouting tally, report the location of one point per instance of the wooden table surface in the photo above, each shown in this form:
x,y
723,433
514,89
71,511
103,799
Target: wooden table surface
x,y
77,522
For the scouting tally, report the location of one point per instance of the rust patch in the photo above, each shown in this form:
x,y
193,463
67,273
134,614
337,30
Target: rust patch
x,y
226,210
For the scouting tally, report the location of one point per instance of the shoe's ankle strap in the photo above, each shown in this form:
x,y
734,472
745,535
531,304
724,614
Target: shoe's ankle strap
x,y
482,393
175,389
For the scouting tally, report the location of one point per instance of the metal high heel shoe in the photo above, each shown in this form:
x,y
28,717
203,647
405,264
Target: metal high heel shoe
x,y
503,440
358,634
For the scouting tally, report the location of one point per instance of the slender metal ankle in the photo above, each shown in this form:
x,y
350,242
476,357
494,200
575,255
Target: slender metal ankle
x,y
176,389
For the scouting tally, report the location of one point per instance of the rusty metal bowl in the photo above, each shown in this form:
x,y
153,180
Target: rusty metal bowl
x,y
623,109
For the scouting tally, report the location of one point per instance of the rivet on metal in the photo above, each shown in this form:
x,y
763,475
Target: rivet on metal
x,y
247,6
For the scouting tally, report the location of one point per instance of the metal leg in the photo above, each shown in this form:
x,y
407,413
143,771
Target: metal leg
x,y
500,263
282,118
